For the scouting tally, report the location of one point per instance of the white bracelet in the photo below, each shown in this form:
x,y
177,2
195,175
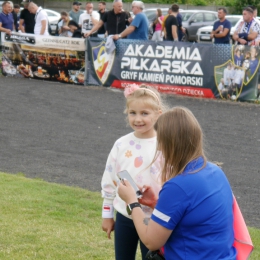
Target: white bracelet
x,y
176,39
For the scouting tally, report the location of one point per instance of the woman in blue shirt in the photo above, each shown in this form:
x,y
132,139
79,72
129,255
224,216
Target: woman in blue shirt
x,y
192,218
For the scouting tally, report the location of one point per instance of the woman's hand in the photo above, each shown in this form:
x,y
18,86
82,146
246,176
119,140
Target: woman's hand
x,y
149,198
126,192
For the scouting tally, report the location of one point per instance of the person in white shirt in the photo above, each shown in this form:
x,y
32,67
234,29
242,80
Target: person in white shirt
x,y
89,19
227,76
41,19
247,30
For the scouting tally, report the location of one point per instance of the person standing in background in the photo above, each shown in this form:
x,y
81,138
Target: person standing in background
x,y
158,26
41,19
26,22
89,19
15,13
247,30
171,24
116,20
163,31
139,27
63,28
181,30
221,28
75,12
102,11
6,18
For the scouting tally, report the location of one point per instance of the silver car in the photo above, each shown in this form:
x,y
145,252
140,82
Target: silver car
x,y
192,20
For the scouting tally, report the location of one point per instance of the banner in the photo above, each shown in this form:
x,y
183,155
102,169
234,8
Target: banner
x,y
44,57
200,70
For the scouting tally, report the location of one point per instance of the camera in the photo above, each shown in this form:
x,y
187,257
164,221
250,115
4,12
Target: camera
x,y
154,255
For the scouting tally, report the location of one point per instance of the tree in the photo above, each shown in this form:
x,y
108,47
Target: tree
x,y
240,4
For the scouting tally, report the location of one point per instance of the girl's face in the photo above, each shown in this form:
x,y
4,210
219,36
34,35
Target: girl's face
x,y
142,119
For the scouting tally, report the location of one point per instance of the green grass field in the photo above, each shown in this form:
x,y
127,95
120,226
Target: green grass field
x,y
40,220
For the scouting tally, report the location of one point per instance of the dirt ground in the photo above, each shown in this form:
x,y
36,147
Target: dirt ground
x,y
63,133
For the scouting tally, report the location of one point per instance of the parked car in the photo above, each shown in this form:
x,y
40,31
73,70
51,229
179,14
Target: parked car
x,y
151,13
53,18
192,20
203,34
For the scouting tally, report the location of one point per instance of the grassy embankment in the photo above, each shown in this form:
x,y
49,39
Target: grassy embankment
x,y
40,220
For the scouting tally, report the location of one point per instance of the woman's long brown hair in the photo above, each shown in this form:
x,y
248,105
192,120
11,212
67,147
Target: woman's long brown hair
x,y
159,14
180,139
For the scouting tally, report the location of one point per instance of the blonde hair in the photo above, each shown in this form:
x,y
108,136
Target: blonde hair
x,y
180,139
150,96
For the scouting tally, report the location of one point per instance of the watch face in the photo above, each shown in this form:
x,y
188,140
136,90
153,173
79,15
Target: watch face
x,y
129,210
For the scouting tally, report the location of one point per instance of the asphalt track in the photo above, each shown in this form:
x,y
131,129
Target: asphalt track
x,y
63,133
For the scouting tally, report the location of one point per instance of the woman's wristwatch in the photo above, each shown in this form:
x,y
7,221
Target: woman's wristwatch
x,y
119,36
130,207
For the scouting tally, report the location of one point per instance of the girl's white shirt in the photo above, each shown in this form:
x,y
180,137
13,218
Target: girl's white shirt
x,y
134,155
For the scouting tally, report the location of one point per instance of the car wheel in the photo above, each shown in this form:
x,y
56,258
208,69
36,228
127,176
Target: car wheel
x,y
185,37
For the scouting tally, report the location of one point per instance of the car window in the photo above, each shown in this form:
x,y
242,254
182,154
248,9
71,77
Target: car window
x,y
209,17
50,14
186,16
233,20
151,14
197,18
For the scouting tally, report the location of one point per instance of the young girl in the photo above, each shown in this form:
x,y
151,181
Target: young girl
x,y
193,216
158,26
133,152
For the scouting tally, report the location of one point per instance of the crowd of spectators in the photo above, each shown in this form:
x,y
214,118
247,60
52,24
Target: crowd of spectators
x,y
77,23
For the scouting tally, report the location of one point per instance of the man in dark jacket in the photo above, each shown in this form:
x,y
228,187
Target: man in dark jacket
x,y
116,20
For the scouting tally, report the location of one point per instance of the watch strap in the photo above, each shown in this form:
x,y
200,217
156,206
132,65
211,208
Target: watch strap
x,y
131,206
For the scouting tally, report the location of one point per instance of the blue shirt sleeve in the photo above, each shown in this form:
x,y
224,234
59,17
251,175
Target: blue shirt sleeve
x,y
137,20
171,206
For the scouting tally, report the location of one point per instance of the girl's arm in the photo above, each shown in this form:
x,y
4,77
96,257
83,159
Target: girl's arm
x,y
108,184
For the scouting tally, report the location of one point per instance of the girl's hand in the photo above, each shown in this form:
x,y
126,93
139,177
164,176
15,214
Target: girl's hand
x,y
108,226
126,192
149,198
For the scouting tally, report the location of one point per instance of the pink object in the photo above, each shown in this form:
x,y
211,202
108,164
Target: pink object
x,y
158,26
130,89
243,242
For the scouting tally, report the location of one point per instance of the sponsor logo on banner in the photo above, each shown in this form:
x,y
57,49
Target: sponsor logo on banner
x,y
103,62
20,38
